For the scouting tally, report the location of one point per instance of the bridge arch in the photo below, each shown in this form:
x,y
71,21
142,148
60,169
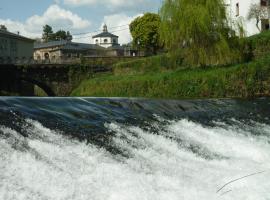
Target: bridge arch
x,y
43,86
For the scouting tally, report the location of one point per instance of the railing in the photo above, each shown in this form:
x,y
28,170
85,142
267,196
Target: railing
x,y
32,61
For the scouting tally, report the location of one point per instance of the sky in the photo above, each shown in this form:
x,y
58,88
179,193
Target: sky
x,y
77,16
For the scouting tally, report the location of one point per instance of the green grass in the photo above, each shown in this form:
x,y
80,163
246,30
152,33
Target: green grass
x,y
237,81
152,64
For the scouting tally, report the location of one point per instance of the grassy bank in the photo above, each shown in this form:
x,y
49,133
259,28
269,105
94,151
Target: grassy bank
x,y
240,81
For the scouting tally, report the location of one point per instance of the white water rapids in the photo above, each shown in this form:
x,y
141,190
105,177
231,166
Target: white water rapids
x,y
49,166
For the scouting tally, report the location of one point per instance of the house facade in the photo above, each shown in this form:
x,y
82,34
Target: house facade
x,y
106,39
14,47
239,9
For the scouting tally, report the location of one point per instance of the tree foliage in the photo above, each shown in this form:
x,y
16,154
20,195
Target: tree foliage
x,y
49,35
145,32
3,27
63,35
199,29
257,12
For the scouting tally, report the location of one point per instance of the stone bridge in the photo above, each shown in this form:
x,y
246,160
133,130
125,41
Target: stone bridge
x,y
53,79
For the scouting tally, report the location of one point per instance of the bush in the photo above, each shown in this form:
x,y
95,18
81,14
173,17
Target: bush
x,y
257,46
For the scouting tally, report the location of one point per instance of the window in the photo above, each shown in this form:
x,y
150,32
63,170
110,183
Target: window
x,y
114,41
237,10
96,41
4,44
264,2
47,56
264,24
13,48
105,41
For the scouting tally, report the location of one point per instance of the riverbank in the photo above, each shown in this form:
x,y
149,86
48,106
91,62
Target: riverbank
x,y
246,80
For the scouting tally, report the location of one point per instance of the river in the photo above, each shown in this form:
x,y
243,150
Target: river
x,y
134,149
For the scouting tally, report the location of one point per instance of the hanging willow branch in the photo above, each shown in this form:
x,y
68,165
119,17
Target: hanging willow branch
x,y
239,179
199,28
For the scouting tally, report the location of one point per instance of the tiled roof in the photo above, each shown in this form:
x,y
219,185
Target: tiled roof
x,y
13,35
50,44
105,34
63,44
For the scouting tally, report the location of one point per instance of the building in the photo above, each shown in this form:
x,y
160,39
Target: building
x,y
106,45
239,9
61,51
106,39
14,47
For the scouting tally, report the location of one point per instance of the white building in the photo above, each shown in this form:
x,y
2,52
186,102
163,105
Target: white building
x,y
239,9
106,39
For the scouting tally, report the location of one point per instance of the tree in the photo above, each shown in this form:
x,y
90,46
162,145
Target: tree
x,y
60,35
47,33
145,32
63,35
257,12
198,28
3,27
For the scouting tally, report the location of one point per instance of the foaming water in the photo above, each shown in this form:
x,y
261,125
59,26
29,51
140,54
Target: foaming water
x,y
125,149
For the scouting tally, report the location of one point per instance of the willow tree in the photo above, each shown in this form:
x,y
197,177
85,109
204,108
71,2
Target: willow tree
x,y
199,28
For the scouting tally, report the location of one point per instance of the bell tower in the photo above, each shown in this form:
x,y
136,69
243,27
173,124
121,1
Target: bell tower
x,y
105,28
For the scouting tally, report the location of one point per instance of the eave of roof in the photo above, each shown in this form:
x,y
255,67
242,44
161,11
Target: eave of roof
x,y
105,34
64,45
13,35
49,44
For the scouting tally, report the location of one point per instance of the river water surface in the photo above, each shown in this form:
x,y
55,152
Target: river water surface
x,y
134,149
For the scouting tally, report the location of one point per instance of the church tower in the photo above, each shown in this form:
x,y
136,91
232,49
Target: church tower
x,y
106,39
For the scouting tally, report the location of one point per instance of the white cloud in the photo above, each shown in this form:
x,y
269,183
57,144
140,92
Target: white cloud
x,y
118,24
54,16
121,22
114,4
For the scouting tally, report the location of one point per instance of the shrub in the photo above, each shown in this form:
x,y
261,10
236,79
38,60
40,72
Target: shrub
x,y
257,46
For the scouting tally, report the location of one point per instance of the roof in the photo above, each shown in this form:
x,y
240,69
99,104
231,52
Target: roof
x,y
104,34
49,44
63,44
116,47
13,35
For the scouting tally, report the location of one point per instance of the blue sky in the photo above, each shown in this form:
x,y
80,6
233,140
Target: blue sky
x,y
77,16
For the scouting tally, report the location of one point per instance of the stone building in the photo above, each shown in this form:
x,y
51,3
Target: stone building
x,y
15,48
106,45
61,51
106,39
239,9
